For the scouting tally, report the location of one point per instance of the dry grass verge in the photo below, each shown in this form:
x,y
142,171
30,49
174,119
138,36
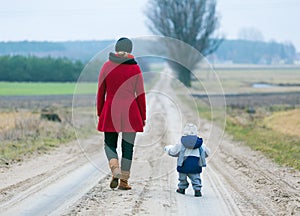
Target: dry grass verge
x,y
286,122
263,133
23,133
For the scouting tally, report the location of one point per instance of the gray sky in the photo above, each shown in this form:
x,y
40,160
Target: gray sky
x,y
59,20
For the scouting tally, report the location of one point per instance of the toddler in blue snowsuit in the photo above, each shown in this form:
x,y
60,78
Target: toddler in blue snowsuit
x,y
191,155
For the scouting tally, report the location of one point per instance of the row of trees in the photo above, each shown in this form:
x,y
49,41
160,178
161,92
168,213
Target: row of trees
x,y
255,52
34,69
76,50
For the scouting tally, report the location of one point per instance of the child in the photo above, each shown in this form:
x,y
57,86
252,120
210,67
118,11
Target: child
x,y
191,158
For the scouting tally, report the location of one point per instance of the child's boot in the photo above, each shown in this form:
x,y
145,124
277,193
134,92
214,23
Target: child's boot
x,y
198,193
181,191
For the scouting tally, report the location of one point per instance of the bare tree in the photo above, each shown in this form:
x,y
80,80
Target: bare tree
x,y
191,21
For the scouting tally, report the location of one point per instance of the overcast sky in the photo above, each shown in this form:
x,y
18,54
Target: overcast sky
x,y
60,20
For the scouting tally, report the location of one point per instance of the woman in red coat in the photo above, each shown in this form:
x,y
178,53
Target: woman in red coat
x,y
121,107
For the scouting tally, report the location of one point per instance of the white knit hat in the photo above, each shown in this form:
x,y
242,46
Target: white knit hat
x,y
190,129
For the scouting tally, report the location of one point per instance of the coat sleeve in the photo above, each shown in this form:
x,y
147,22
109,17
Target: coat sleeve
x,y
174,150
140,94
202,160
101,91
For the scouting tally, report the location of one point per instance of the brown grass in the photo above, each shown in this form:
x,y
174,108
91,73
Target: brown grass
x,y
23,133
9,120
269,135
286,122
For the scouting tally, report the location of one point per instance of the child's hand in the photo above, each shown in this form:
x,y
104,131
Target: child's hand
x,y
207,150
167,148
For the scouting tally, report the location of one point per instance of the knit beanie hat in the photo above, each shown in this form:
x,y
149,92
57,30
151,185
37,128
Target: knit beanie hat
x,y
190,129
123,44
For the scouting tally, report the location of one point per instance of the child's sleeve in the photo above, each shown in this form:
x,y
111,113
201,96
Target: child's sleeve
x,y
206,150
173,150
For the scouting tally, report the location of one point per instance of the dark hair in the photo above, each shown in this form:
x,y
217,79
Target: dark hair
x,y
124,44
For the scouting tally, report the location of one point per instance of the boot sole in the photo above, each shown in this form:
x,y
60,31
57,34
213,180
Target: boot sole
x,y
124,188
180,192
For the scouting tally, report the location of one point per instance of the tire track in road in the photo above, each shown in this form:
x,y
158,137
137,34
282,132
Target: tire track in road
x,y
216,199
157,180
259,185
55,193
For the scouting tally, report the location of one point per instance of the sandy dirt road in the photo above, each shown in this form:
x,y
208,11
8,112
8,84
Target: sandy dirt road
x,y
237,180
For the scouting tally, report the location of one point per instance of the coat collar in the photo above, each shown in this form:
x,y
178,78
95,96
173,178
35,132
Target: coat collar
x,y
129,59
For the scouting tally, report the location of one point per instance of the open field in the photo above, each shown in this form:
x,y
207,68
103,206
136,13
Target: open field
x,y
23,131
241,80
31,88
41,101
60,88
285,122
274,75
267,118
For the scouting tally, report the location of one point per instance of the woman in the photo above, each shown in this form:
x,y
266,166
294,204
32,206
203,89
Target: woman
x,y
121,108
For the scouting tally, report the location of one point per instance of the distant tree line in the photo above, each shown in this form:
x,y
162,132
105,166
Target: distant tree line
x,y
255,52
33,69
77,50
237,51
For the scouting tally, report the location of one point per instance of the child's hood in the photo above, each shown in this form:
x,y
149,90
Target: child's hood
x,y
191,141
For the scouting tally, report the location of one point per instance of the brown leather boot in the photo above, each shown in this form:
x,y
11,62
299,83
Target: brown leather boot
x,y
124,181
116,172
114,167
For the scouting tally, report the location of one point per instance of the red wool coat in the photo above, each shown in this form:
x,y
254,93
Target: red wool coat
x,y
121,103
